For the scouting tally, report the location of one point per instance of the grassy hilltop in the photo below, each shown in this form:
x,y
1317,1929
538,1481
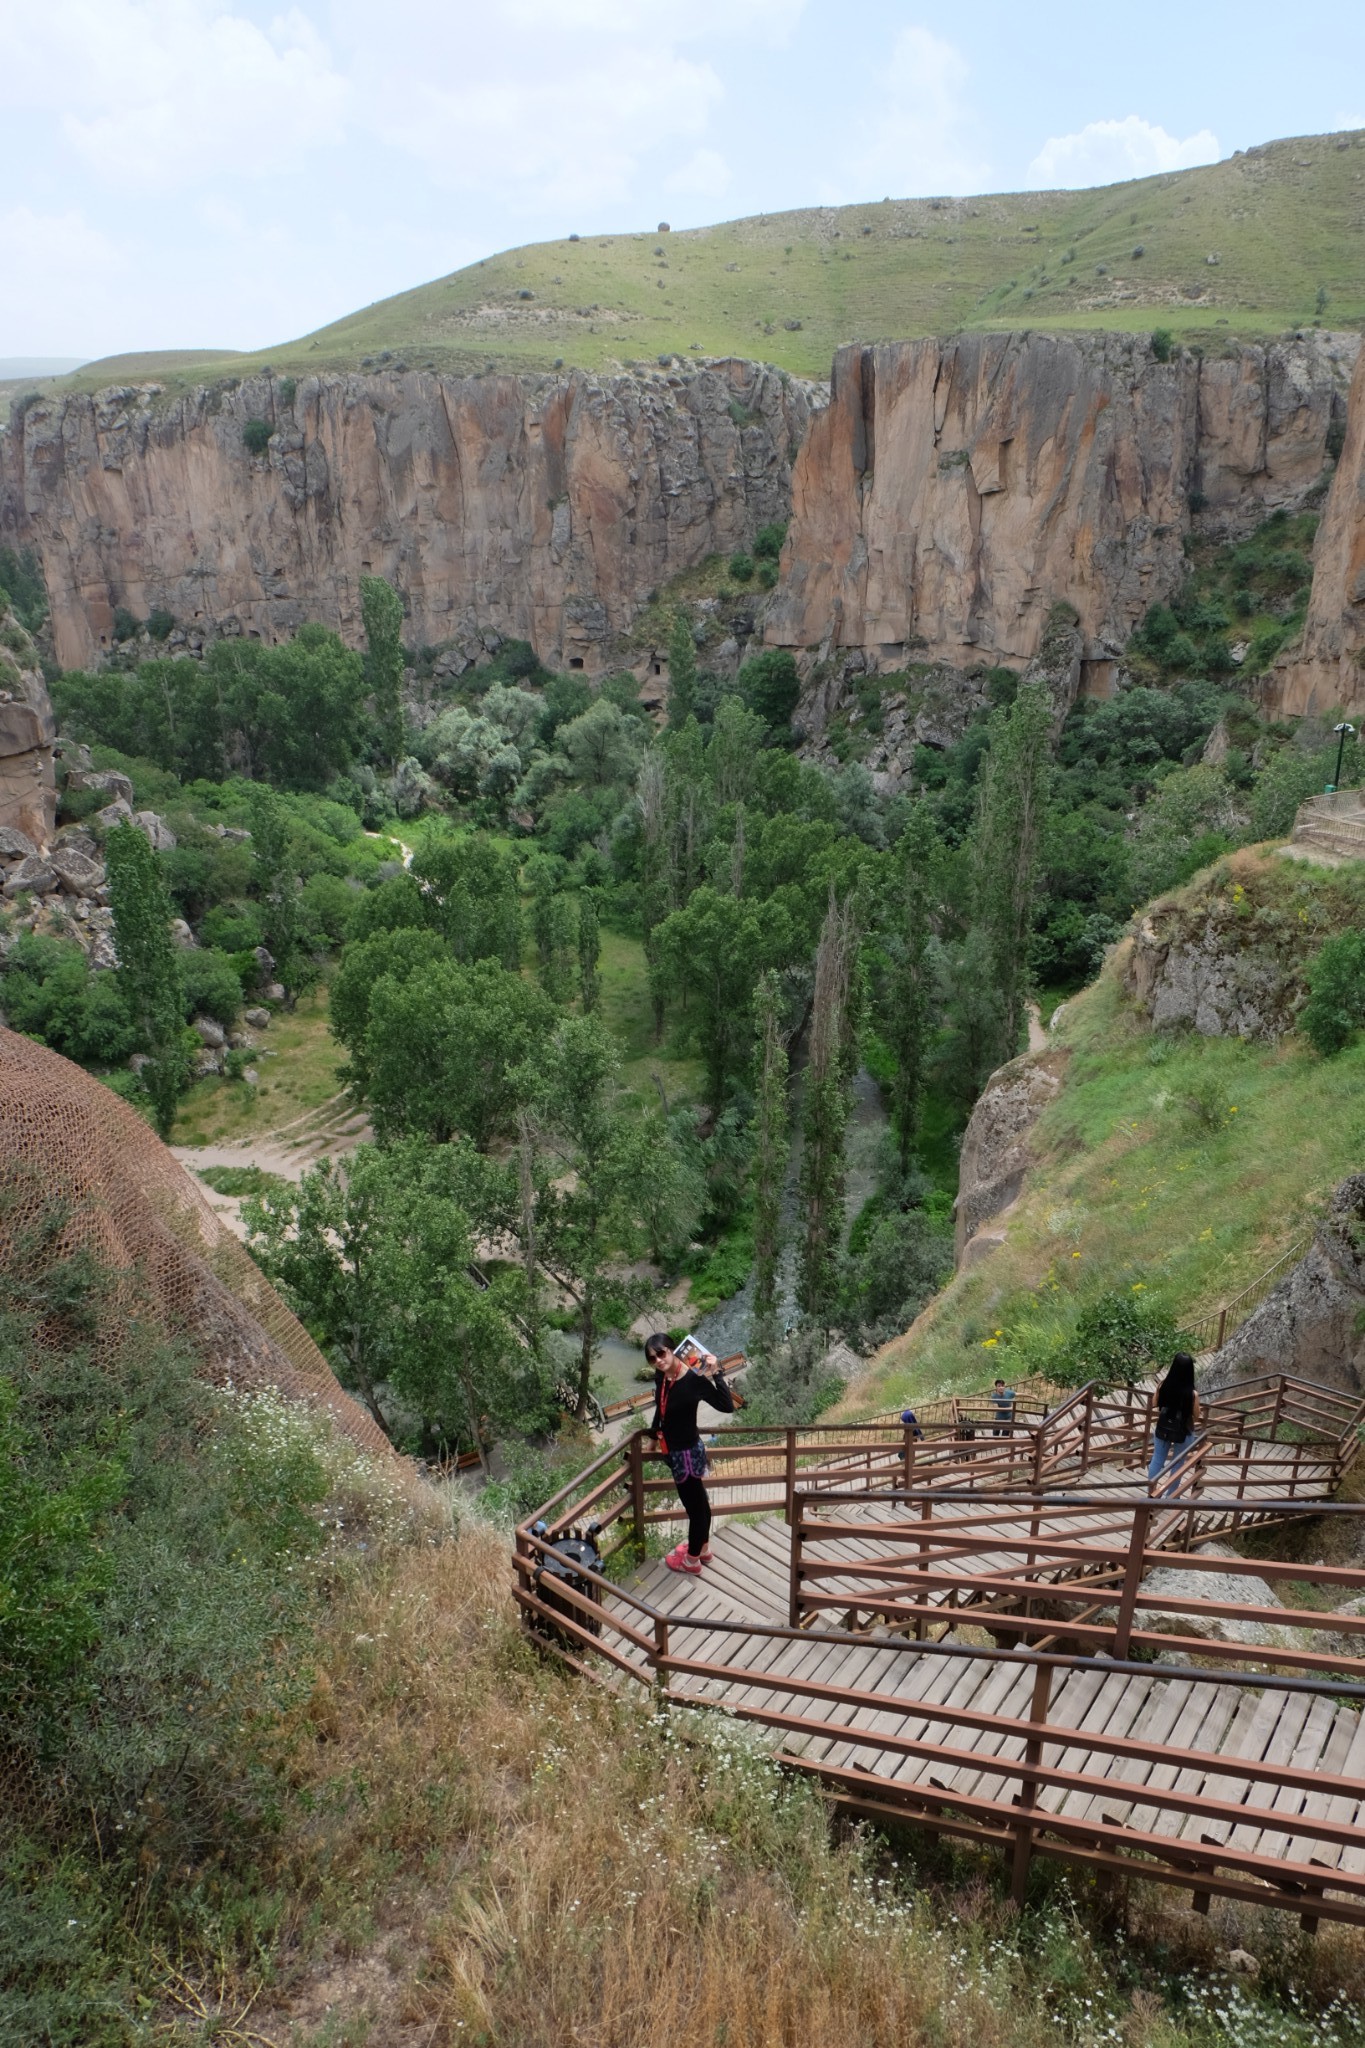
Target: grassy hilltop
x,y
1283,221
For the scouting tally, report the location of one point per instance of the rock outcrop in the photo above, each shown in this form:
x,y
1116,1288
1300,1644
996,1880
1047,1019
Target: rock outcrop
x,y
953,491
545,509
995,1149
28,795
1313,1323
1327,670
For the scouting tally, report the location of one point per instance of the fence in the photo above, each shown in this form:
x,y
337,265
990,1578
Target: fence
x,y
1211,1332
1055,1733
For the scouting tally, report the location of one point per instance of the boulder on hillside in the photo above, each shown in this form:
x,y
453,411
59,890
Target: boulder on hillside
x,y
109,781
1313,1323
14,844
1226,1588
32,875
77,873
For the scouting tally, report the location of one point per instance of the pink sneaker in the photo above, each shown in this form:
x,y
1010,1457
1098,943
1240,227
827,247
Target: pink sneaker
x,y
679,1561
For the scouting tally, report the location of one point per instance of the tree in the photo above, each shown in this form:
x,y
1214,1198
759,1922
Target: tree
x,y
552,923
602,745
148,973
908,988
380,1255
589,952
1006,841
366,962
682,672
829,1072
277,885
445,1046
472,894
381,611
709,955
1335,1009
768,1169
592,1172
290,715
771,686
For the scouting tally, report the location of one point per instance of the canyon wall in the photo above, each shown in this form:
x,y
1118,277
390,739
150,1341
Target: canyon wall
x,y
953,491
545,509
1327,670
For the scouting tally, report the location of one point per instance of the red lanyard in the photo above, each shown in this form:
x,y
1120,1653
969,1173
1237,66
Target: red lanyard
x,y
664,1386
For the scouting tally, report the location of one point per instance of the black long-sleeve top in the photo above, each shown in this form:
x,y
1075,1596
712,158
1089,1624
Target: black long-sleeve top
x,y
676,1419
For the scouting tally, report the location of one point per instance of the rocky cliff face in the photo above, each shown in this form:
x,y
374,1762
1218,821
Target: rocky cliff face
x,y
1327,670
545,509
1311,1323
953,491
996,1153
28,797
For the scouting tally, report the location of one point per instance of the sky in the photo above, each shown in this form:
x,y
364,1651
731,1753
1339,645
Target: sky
x,y
231,173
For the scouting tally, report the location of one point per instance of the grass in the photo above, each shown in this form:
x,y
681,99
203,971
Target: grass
x,y
1129,1190
240,1180
627,1013
301,1076
478,1848
1282,222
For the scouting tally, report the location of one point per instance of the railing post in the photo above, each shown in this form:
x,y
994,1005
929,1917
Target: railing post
x,y
908,1455
1132,1577
1038,1441
1086,1427
637,1485
1222,1328
661,1659
796,1508
1028,1790
789,1488
1279,1404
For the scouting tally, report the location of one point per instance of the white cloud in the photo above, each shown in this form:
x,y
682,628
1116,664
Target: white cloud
x,y
164,93
705,173
917,135
1106,152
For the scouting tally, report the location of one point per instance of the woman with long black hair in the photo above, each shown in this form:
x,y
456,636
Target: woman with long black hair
x,y
679,1390
1177,1415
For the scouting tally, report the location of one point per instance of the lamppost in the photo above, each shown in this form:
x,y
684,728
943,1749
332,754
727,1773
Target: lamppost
x,y
1341,732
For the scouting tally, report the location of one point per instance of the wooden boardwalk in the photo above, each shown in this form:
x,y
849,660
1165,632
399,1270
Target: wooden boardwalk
x,y
981,1661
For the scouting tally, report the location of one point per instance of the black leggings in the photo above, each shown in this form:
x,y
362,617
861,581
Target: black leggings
x,y
694,1497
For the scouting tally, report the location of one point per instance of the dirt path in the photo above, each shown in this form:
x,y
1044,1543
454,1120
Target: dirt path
x,y
328,1132
1037,1035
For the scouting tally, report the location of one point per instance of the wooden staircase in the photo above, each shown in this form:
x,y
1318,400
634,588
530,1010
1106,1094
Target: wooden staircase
x,y
955,1633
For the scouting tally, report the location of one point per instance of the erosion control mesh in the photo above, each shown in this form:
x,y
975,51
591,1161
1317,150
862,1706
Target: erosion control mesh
x,y
67,1142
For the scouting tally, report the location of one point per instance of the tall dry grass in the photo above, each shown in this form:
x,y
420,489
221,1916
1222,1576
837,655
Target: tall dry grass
x,y
545,1866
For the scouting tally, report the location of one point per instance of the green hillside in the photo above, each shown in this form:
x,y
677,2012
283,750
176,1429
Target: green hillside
x,y
1285,223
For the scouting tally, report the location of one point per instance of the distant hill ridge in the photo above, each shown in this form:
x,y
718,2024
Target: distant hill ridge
x,y
1269,239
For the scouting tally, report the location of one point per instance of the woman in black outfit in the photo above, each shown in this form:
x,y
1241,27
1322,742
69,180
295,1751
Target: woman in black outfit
x,y
1177,1416
679,1390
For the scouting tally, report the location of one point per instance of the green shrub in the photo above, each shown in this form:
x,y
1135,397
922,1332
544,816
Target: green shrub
x,y
1206,1105
767,575
256,436
1335,1009
160,623
768,540
210,985
21,583
1163,341
1119,1337
49,992
285,390
771,686
127,625
742,567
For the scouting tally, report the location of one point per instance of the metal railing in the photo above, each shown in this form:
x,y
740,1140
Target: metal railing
x,y
1042,1539
1210,1332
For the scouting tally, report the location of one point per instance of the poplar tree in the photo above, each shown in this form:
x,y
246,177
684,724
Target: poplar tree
x,y
381,612
589,952
829,1072
682,672
772,1144
1005,847
148,969
908,991
277,884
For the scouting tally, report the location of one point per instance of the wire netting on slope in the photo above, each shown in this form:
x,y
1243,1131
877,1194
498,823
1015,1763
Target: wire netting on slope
x,y
68,1144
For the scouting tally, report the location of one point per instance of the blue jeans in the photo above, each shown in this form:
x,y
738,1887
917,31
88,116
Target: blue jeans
x,y
1164,1454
